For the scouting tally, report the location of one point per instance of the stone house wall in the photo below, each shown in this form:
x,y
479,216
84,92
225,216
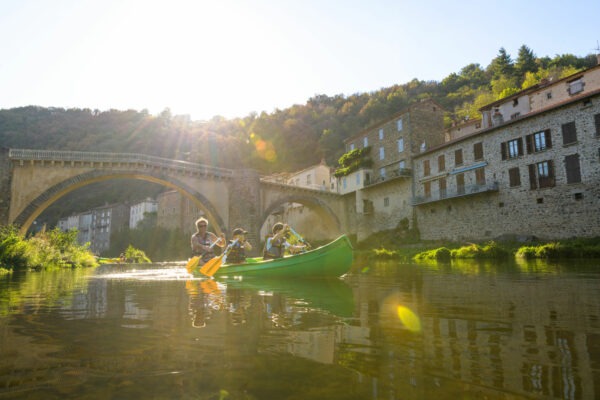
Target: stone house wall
x,y
495,208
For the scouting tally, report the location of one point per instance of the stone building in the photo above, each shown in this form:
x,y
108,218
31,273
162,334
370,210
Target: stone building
x,y
177,212
532,169
138,211
382,194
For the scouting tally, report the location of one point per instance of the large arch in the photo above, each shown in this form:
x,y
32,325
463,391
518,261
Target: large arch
x,y
36,207
315,204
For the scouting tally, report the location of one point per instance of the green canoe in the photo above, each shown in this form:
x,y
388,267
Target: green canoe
x,y
332,259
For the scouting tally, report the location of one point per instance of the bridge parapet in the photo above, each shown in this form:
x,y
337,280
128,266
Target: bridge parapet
x,y
99,158
298,189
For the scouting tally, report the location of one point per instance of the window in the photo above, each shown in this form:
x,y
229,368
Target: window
x,y
427,189
308,179
400,145
402,164
381,153
441,163
351,146
515,102
549,95
515,115
382,173
512,148
458,157
541,175
399,125
538,141
386,201
597,123
460,183
357,179
480,176
575,86
514,177
426,169
569,133
381,134
344,183
573,169
442,186
478,151
365,142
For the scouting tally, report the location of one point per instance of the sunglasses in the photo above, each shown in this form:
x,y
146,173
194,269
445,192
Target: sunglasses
x,y
202,226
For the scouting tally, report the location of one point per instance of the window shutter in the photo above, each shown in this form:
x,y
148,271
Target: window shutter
x,y
532,176
520,145
529,143
573,169
548,139
503,150
597,122
569,133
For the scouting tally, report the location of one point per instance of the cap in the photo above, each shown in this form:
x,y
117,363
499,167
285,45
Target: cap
x,y
239,231
277,227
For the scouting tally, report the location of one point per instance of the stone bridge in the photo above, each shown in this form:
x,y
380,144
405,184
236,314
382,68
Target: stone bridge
x,y
31,180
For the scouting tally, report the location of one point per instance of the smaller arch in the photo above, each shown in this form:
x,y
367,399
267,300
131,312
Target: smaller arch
x,y
311,202
52,194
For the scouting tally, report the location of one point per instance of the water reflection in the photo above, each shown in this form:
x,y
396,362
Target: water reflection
x,y
387,331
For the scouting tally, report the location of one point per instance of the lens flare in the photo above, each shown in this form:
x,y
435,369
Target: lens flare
x,y
410,320
264,149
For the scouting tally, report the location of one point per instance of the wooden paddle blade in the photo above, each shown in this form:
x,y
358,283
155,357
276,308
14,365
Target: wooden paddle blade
x,y
212,266
192,264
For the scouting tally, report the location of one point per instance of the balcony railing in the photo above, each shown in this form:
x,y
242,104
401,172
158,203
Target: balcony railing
x,y
453,193
126,158
397,173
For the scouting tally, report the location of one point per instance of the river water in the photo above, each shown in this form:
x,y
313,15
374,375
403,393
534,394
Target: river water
x,y
387,330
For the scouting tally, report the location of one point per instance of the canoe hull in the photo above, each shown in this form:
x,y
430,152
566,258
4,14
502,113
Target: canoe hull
x,y
331,260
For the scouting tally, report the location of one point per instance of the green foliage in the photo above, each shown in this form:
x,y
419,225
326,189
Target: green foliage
x,y
439,254
53,249
557,250
136,255
353,161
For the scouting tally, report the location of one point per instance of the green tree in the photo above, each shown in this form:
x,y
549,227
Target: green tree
x,y
502,65
525,62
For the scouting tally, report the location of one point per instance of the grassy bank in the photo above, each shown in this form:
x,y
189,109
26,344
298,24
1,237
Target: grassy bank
x,y
390,245
47,249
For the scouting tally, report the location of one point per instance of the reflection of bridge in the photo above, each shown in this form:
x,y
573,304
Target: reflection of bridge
x,y
31,180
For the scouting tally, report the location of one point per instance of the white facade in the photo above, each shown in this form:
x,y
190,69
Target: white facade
x,y
318,177
136,212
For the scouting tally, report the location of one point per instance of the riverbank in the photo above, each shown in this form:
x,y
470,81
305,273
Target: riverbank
x,y
390,245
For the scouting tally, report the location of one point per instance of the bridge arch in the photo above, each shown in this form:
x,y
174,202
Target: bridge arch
x,y
315,204
51,195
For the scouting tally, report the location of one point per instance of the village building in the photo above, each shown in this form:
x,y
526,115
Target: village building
x,y
105,221
381,194
177,212
138,211
530,169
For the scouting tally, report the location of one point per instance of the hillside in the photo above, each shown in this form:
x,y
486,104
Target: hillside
x,y
284,140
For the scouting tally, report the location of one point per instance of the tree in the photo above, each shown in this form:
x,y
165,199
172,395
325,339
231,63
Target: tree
x,y
502,65
525,62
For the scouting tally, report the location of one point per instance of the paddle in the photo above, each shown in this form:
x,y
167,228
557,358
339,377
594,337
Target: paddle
x,y
213,265
300,238
194,261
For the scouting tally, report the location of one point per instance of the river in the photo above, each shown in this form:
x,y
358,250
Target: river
x,y
387,330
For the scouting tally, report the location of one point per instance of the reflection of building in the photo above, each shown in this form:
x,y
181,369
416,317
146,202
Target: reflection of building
x,y
137,211
177,212
106,220
84,234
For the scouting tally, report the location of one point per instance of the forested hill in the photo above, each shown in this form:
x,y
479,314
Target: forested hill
x,y
283,140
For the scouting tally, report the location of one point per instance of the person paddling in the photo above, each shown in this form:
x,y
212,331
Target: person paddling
x,y
203,241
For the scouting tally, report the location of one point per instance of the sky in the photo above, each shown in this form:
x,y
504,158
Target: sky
x,y
234,57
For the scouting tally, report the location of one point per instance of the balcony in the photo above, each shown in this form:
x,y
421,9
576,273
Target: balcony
x,y
393,175
463,191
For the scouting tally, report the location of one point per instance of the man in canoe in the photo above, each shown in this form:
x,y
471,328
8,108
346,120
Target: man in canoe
x,y
277,244
203,241
239,245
